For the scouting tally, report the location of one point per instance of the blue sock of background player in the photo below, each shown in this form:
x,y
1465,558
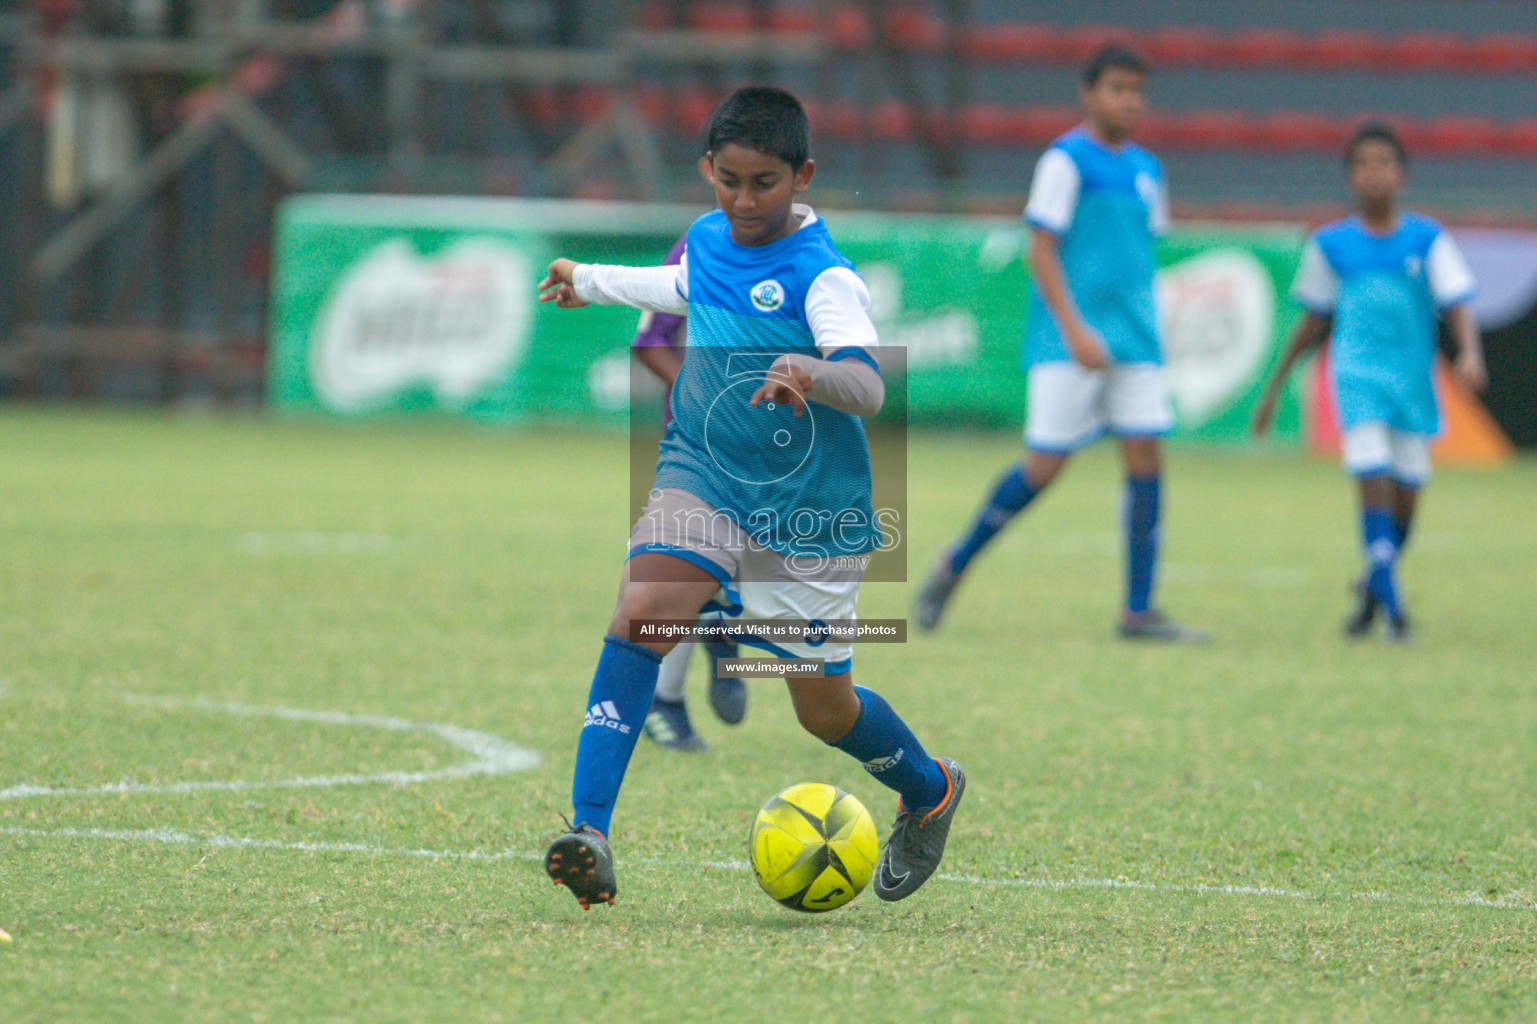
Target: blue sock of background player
x,y
1009,497
1381,530
1141,524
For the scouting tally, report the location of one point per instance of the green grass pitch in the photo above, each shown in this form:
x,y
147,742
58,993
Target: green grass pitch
x,y
1281,826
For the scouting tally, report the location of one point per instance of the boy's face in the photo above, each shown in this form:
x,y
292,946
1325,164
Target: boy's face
x,y
1375,173
755,190
1116,100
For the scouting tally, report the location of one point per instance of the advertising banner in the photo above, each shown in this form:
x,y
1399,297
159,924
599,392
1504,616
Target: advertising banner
x,y
416,306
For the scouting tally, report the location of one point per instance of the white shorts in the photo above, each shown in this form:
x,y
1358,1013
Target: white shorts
x,y
1070,406
1374,448
756,582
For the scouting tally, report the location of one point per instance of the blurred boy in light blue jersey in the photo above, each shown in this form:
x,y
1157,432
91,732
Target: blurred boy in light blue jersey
x,y
1373,285
659,347
767,432
1091,348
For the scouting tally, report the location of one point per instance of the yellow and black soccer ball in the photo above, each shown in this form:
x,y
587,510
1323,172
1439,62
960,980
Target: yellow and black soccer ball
x,y
813,847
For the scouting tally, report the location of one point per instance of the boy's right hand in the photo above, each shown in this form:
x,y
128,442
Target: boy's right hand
x,y
559,286
1087,347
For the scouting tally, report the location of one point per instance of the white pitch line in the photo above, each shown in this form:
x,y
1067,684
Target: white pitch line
x,y
491,755
176,837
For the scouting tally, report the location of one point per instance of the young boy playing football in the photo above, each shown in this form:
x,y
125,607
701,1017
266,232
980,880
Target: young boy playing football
x,y
659,346
1373,285
764,477
1091,349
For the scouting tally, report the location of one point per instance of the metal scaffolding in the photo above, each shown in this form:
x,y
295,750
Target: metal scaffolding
x,y
146,143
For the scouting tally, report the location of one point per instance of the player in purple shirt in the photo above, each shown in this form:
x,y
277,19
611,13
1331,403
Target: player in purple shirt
x,y
658,345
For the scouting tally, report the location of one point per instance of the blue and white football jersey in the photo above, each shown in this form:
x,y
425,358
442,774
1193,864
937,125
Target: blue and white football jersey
x,y
1384,293
1107,206
799,485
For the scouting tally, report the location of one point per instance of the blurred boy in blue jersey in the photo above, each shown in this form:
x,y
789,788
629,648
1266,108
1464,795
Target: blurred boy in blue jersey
x,y
1373,285
1091,349
767,432
659,346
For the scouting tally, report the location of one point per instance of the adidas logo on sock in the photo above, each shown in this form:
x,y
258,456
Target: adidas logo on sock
x,y
605,715
880,764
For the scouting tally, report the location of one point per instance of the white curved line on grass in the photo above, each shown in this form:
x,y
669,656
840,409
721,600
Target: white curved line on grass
x,y
179,838
490,755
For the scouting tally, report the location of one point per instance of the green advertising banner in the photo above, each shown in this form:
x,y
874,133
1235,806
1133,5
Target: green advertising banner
x,y
416,306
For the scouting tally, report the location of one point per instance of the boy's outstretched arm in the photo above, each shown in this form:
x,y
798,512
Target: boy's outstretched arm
x,y
1309,333
570,285
1470,347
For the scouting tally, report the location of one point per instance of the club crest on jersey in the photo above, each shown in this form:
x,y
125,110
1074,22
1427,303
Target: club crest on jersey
x,y
1413,266
767,296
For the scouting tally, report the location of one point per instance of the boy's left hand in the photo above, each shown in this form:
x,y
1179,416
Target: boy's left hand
x,y
559,287
1469,369
785,383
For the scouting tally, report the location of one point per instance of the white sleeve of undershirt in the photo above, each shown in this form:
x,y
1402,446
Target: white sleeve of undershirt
x,y
1158,216
838,313
1053,192
1316,285
658,289
1451,279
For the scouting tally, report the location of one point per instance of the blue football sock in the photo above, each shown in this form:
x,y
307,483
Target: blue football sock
x,y
1141,515
1400,533
1379,532
892,754
1010,494
616,707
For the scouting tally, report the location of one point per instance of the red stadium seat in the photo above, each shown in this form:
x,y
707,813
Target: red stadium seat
x,y
893,120
1040,125
1077,44
839,120
1454,134
654,15
1422,51
1503,54
792,18
719,17
1195,129
1340,49
590,102
1259,47
1520,138
692,108
911,28
653,102
1183,44
987,124
849,27
1015,43
1292,130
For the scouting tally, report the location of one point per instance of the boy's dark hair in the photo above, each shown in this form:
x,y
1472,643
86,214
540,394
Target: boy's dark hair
x,y
1112,55
1376,131
762,118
